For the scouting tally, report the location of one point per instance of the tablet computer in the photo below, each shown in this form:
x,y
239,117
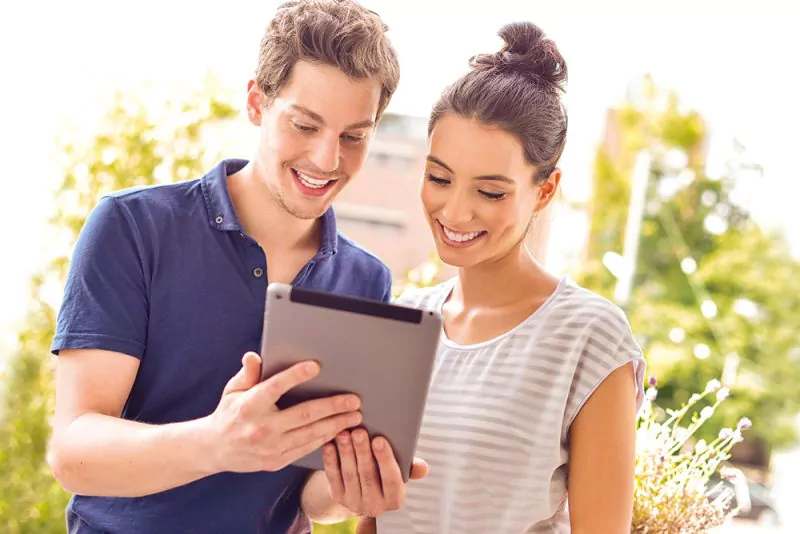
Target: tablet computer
x,y
384,353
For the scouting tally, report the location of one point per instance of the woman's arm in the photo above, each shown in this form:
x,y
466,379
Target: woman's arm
x,y
602,456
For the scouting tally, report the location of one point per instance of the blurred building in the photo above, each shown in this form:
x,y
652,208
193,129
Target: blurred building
x,y
380,209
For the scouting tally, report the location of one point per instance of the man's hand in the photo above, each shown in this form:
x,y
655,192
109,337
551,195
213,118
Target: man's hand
x,y
364,477
250,433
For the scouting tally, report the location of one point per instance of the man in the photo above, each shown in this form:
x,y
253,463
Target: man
x,y
162,423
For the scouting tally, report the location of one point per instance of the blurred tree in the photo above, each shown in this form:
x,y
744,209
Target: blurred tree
x,y
133,148
712,294
346,527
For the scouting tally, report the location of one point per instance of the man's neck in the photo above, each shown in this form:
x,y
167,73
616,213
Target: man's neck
x,y
264,219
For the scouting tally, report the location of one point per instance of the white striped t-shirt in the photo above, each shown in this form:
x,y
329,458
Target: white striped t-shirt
x,y
496,422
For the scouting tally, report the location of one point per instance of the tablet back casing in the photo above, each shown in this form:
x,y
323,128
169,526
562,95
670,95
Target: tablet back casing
x,y
383,353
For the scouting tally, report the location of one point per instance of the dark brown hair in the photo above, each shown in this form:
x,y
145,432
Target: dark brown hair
x,y
519,90
340,33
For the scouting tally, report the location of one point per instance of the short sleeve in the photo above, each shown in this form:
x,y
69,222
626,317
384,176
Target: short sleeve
x,y
105,304
387,286
609,346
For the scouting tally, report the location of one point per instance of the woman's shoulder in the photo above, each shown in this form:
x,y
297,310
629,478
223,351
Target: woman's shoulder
x,y
430,297
576,303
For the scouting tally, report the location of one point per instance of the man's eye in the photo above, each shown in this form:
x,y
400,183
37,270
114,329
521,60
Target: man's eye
x,y
354,138
303,128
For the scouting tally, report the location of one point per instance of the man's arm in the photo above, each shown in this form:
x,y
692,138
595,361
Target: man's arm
x,y
318,504
94,452
602,457
367,525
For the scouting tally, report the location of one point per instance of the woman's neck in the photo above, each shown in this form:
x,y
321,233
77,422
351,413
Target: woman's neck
x,y
503,282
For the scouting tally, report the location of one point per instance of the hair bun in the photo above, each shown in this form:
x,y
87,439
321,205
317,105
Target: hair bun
x,y
527,51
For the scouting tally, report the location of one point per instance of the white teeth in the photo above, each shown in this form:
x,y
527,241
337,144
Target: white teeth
x,y
313,183
460,238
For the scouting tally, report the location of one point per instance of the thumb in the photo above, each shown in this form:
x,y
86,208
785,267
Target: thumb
x,y
419,469
248,376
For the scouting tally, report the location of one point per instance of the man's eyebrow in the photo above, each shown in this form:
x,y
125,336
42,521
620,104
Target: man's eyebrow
x,y
367,123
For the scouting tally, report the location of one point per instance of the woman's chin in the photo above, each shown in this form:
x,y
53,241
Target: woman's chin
x,y
459,259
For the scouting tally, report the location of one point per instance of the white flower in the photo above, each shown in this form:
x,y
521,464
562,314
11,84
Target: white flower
x,y
737,436
651,394
725,433
712,386
701,445
744,424
707,412
722,394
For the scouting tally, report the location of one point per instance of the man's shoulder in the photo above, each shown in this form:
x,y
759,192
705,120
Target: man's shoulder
x,y
155,195
358,256
151,206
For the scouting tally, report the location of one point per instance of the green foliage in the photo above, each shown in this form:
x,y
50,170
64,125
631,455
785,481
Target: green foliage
x,y
738,268
131,149
345,527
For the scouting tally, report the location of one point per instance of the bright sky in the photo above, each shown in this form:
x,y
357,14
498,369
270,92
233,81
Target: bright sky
x,y
60,60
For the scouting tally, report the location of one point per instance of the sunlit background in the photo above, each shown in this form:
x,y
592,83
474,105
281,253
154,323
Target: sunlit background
x,y
62,63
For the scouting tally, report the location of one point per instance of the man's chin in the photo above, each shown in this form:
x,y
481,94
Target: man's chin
x,y
296,209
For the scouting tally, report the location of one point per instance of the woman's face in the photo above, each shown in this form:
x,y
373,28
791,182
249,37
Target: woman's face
x,y
478,191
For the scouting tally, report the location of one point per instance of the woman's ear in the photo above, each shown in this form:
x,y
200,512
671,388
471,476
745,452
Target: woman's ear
x,y
548,190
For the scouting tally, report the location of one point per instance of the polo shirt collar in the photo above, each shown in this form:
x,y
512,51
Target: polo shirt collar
x,y
222,215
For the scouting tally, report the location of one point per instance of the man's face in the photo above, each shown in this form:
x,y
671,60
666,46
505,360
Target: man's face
x,y
315,135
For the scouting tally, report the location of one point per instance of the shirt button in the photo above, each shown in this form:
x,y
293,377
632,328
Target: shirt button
x,y
258,272
219,219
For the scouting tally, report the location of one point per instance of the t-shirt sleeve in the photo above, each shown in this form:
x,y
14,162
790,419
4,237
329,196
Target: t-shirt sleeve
x,y
610,346
105,303
387,285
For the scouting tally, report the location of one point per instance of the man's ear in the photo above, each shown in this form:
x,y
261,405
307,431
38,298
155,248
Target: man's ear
x,y
256,102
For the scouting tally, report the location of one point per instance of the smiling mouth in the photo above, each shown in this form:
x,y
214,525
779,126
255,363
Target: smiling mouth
x,y
310,184
459,239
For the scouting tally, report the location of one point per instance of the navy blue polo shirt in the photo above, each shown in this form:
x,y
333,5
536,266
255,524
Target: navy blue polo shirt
x,y
167,275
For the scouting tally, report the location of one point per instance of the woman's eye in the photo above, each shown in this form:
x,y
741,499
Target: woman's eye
x,y
493,196
436,180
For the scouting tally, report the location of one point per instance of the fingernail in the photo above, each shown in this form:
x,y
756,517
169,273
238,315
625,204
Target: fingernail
x,y
355,419
310,368
342,438
379,444
358,437
353,403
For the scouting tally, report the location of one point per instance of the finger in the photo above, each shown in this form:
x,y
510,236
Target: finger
x,y
248,376
349,468
292,455
371,491
419,469
276,386
391,476
309,412
333,472
324,430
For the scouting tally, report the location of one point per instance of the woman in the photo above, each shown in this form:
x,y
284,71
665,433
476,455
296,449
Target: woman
x,y
537,380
